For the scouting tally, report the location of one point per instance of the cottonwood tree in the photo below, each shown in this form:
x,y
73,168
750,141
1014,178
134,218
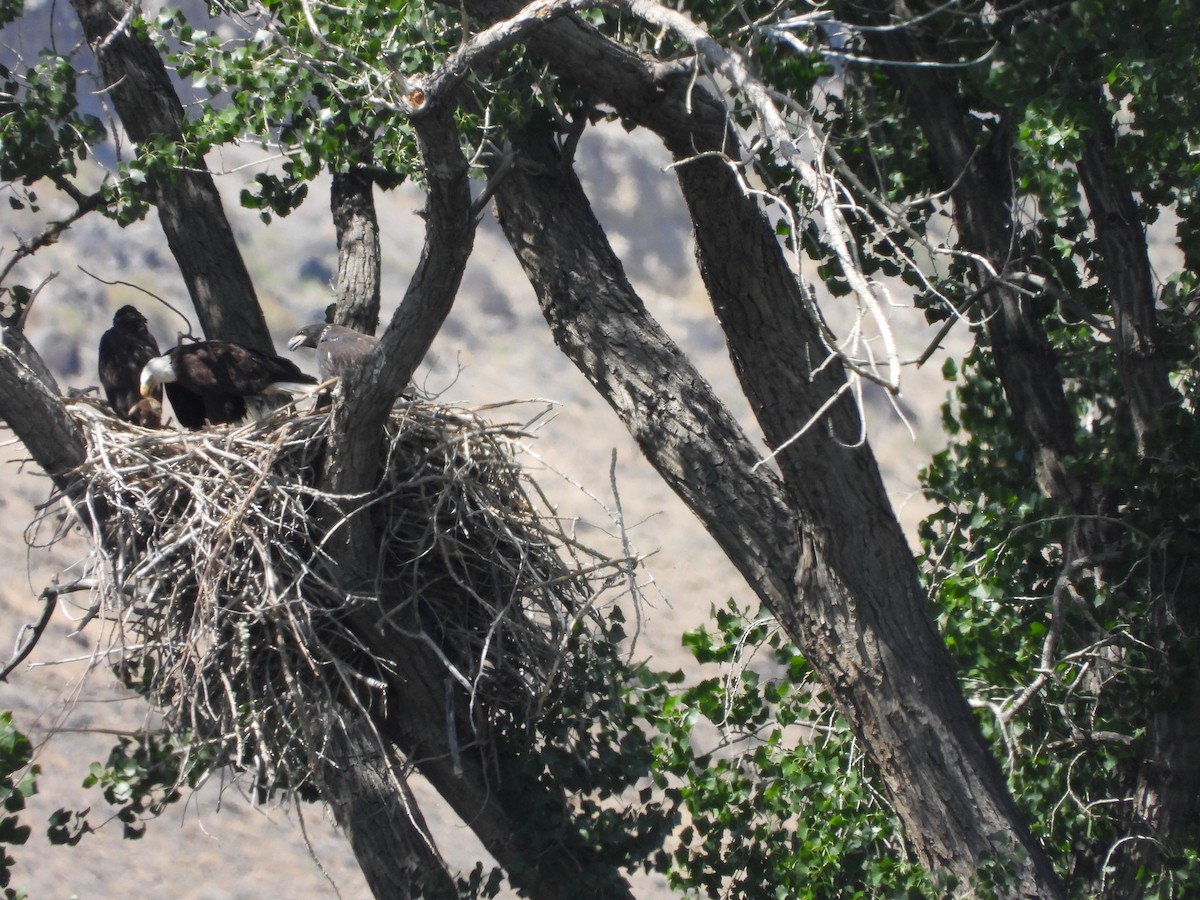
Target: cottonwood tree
x,y
998,163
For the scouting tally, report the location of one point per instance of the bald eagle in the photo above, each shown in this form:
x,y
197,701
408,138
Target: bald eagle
x,y
212,380
124,350
337,346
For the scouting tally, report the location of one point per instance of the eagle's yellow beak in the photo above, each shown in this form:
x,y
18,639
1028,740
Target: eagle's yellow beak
x,y
157,371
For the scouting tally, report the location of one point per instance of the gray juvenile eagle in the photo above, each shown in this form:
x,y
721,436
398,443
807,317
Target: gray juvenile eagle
x,y
124,350
210,381
337,346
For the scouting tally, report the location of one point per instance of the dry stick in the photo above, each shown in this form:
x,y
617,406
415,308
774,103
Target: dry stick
x,y
25,645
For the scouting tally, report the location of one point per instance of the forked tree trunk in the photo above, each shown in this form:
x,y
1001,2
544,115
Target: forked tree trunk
x,y
202,242
855,608
850,596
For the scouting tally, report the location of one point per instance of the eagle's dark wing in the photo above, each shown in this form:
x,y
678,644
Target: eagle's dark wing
x,y
226,368
190,408
214,378
124,349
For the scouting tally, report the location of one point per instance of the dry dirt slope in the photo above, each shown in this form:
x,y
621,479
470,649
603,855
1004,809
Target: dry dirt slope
x,y
494,348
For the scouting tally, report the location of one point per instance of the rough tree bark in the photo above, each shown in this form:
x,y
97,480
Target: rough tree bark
x,y
381,819
853,604
364,782
857,610
188,204
419,720
357,290
1166,793
35,413
1127,274
369,390
820,544
1166,801
681,426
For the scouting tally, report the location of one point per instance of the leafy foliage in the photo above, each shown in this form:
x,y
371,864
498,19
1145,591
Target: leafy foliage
x,y
141,776
43,132
1060,656
18,780
1059,652
778,800
594,743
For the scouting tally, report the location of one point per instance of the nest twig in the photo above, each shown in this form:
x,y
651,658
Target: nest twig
x,y
229,619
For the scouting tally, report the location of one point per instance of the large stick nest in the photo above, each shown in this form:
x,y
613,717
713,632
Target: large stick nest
x,y
227,611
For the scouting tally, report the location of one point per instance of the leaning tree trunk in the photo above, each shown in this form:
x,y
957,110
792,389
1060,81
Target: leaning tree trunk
x,y
856,608
364,782
850,598
374,807
187,201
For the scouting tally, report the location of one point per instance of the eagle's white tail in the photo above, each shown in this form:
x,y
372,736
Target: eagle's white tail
x,y
292,387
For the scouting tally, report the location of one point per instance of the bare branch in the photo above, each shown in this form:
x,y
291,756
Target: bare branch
x,y
31,634
783,138
52,232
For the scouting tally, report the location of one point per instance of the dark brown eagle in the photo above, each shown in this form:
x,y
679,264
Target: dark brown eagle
x,y
337,346
211,381
124,350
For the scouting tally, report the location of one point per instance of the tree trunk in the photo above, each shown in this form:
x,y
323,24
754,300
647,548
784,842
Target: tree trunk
x,y
1122,238
365,784
1166,796
853,605
352,202
369,389
601,324
37,417
979,181
373,805
1166,800
425,719
188,204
